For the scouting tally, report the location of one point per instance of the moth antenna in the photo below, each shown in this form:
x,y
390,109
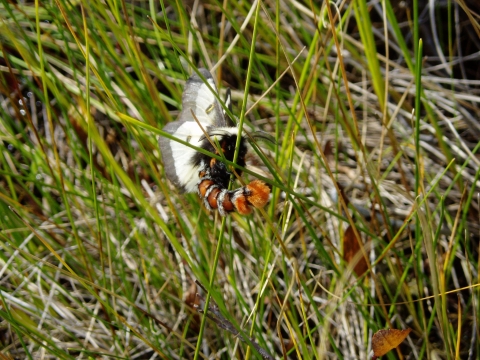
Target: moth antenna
x,y
211,136
217,133
262,136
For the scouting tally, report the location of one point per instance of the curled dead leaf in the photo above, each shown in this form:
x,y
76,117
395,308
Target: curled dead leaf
x,y
385,340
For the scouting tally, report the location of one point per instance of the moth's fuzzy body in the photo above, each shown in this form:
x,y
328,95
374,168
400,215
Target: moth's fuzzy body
x,y
218,170
203,123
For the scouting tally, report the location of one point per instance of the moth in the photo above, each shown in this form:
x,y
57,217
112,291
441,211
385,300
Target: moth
x,y
203,123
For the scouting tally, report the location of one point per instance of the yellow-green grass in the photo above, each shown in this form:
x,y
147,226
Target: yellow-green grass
x,y
100,254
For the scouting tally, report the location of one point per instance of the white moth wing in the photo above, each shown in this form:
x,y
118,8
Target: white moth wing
x,y
199,98
177,158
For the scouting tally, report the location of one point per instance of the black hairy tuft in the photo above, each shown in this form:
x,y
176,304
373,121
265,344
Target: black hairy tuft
x,y
219,171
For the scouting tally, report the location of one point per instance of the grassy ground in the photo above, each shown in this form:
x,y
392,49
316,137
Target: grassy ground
x,y
375,111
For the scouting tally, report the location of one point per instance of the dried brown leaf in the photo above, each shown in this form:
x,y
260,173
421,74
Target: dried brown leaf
x,y
385,340
352,253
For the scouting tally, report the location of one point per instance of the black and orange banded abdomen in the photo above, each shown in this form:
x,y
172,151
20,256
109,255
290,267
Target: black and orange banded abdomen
x,y
241,200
